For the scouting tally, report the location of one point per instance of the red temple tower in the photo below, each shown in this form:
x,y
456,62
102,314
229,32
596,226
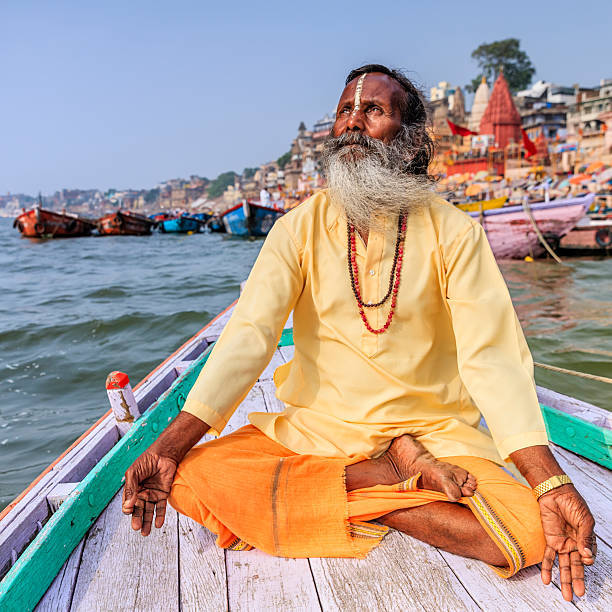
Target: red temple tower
x,y
501,117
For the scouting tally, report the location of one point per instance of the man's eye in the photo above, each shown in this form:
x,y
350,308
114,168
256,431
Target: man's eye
x,y
374,109
345,111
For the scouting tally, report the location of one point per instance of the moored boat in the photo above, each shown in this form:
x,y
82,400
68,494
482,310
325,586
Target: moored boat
x,y
182,224
250,219
589,237
43,223
66,534
511,230
125,223
216,225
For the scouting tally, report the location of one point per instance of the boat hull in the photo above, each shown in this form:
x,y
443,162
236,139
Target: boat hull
x,y
591,238
250,219
122,223
179,225
512,235
43,223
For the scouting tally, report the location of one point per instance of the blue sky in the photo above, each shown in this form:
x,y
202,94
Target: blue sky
x,y
127,94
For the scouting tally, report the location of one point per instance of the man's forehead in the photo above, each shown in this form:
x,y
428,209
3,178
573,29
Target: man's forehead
x,y
375,84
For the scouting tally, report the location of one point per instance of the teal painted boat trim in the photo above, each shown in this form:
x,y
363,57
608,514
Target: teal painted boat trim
x,y
286,338
27,581
578,436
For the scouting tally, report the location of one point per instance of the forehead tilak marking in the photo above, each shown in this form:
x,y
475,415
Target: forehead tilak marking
x,y
358,89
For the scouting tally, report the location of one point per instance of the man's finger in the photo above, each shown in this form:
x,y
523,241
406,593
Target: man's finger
x,y
547,564
147,518
130,492
160,513
137,515
577,570
452,491
585,538
565,576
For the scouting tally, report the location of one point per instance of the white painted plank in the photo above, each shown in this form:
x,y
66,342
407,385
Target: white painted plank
x,y
120,570
273,404
59,493
202,568
287,352
575,407
277,360
59,595
597,580
524,591
257,581
400,574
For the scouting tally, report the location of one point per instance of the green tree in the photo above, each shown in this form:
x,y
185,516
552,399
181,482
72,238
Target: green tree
x,y
505,55
220,184
248,173
284,159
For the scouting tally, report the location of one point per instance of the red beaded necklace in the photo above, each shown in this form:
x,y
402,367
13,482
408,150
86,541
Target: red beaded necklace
x,y
396,270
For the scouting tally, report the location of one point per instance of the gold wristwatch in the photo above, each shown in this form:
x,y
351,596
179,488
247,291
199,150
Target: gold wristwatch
x,y
552,483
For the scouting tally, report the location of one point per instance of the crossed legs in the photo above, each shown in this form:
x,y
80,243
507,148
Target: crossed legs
x,y
446,525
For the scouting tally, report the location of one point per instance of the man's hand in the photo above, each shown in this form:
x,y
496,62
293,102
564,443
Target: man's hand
x,y
566,521
568,529
149,479
147,486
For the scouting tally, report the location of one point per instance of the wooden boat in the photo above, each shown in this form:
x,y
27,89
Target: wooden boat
x,y
484,205
216,225
125,223
511,230
43,223
181,224
250,219
204,217
65,542
589,237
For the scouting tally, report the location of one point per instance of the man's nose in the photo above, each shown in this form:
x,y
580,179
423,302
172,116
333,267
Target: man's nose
x,y
355,122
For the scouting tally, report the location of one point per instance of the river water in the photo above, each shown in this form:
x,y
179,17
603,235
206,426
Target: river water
x,y
73,310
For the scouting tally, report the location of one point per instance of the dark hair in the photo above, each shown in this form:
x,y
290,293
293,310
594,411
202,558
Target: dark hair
x,y
414,114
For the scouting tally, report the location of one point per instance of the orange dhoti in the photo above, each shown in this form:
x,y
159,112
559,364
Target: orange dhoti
x,y
254,493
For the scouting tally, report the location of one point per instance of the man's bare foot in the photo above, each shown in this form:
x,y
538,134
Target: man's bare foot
x,y
409,457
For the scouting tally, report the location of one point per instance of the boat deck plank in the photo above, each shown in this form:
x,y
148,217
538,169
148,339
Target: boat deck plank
x,y
121,570
202,572
180,567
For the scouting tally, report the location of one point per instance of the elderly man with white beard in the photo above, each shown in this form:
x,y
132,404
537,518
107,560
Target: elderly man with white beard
x,y
404,336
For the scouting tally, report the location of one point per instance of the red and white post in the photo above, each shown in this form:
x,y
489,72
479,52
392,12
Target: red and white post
x,y
122,400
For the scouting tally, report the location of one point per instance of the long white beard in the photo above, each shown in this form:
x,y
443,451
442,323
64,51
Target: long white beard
x,y
369,182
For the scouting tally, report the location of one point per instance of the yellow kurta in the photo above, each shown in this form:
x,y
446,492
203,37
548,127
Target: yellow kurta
x,y
454,349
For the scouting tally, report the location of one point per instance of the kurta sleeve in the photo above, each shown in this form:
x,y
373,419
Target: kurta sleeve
x,y
494,361
250,337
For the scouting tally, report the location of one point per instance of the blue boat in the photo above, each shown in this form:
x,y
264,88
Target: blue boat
x,y
216,225
250,219
204,217
181,225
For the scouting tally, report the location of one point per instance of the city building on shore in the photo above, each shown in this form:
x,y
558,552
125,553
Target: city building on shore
x,y
588,118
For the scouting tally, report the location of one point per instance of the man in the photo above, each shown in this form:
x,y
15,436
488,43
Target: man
x,y
404,334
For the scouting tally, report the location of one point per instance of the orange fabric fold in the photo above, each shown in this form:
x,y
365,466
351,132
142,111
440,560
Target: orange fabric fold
x,y
253,492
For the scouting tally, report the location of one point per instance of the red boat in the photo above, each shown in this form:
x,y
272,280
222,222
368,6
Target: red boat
x,y
42,223
125,223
